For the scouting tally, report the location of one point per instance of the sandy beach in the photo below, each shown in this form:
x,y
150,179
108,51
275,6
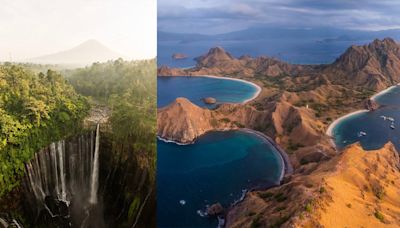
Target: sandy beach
x,y
383,92
332,126
236,79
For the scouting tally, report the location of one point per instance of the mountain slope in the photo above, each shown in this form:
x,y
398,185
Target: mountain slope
x,y
354,189
86,53
375,65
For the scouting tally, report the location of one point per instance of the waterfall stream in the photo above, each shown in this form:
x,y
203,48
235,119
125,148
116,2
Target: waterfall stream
x,y
95,171
63,179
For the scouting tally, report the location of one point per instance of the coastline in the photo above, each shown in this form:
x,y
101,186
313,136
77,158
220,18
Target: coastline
x,y
255,95
329,131
258,88
287,167
330,128
173,141
383,92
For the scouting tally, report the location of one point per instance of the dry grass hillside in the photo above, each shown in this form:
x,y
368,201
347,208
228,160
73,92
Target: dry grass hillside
x,y
354,189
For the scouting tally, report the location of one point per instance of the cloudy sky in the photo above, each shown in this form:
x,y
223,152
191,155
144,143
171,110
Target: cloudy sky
x,y
212,17
33,28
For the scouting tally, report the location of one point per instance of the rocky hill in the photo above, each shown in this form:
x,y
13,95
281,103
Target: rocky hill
x,y
356,188
376,65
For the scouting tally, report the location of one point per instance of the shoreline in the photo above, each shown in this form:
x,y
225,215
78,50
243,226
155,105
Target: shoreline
x,y
257,87
173,141
287,167
329,130
383,92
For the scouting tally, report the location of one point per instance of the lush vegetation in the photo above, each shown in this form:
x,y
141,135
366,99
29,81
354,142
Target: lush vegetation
x,y
129,89
35,109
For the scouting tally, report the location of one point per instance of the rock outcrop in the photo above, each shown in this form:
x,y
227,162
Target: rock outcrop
x,y
371,105
210,100
215,209
354,189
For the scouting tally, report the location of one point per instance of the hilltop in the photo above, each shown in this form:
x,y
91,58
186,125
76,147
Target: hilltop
x,y
85,53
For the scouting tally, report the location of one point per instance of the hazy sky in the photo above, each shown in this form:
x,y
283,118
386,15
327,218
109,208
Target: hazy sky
x,y
30,28
211,16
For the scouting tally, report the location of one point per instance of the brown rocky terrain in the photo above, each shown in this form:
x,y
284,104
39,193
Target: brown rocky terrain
x,y
374,66
353,189
179,56
296,105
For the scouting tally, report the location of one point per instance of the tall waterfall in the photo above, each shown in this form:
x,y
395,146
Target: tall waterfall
x,y
95,170
67,172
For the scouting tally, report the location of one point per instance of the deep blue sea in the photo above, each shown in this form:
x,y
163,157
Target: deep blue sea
x,y
216,168
378,130
196,88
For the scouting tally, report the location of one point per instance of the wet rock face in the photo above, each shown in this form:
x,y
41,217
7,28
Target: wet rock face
x,y
209,100
371,105
215,210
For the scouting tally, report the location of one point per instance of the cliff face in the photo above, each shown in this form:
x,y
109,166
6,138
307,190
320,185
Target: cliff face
x,y
354,189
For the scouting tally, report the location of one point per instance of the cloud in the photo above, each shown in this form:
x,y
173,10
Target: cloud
x,y
206,16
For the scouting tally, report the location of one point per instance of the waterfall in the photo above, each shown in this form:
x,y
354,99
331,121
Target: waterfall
x,y
12,223
60,149
65,173
95,171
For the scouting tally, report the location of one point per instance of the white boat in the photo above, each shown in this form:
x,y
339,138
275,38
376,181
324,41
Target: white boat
x,y
392,125
390,119
182,202
362,133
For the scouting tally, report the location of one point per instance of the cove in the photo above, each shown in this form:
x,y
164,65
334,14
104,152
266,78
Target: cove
x,y
378,131
195,88
216,168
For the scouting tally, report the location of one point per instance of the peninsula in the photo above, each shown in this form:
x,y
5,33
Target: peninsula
x,y
296,105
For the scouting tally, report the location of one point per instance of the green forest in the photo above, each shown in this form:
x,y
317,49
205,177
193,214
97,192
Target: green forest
x,y
129,89
35,110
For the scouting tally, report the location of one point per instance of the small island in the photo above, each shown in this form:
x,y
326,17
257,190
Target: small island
x,y
178,56
209,100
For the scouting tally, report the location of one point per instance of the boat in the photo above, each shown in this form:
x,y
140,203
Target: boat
x,y
392,125
361,133
182,202
390,119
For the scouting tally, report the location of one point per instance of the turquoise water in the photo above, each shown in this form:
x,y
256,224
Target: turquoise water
x,y
196,88
378,130
214,169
